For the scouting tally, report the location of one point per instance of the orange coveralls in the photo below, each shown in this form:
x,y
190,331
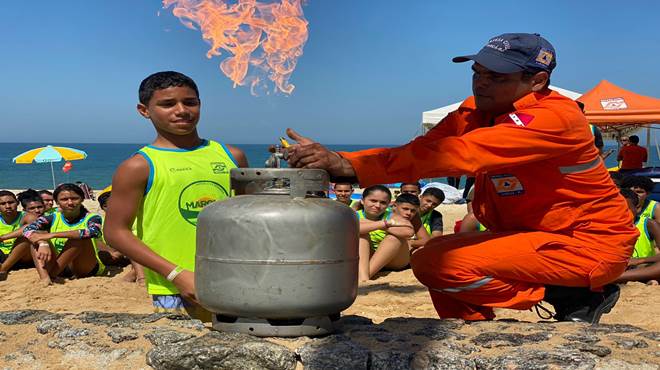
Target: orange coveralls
x,y
555,216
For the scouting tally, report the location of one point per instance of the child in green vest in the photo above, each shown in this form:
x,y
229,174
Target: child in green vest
x,y
19,247
164,186
642,186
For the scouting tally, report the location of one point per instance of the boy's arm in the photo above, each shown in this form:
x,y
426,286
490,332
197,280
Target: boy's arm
x,y
128,185
641,274
239,156
421,233
27,219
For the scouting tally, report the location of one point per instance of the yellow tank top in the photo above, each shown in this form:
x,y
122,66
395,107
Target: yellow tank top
x,y
645,246
376,236
5,228
181,183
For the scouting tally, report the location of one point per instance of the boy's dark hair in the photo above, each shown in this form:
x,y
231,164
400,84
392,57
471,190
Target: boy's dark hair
x,y
633,139
4,193
411,183
436,193
29,196
407,198
163,80
617,177
374,188
629,194
343,183
41,192
641,182
103,198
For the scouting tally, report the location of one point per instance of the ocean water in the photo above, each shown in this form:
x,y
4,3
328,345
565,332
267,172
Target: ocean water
x,y
103,159
101,162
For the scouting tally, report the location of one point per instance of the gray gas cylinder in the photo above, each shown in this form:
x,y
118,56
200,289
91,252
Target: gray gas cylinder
x,y
277,259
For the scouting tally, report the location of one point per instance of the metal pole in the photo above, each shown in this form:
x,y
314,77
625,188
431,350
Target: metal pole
x,y
52,173
648,145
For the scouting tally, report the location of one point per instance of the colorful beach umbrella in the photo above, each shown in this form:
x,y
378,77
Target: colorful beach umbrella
x,y
49,154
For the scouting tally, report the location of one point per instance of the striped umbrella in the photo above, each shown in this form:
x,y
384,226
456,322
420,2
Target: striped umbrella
x,y
49,154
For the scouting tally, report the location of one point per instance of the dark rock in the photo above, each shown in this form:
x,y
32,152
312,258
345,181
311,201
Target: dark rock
x,y
437,333
628,343
600,351
333,352
119,335
439,357
354,320
437,323
48,326
582,338
527,359
166,336
463,348
216,350
60,344
188,323
391,360
494,339
119,319
26,316
613,328
73,333
653,335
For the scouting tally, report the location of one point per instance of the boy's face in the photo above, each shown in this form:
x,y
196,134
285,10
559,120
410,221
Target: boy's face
x,y
405,210
8,205
174,110
641,194
36,208
410,189
48,200
428,202
343,192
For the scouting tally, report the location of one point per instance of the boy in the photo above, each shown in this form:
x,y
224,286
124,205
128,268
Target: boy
x,y
10,220
431,219
161,188
642,186
343,192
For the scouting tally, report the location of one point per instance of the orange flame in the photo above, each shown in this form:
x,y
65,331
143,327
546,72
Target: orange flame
x,y
267,36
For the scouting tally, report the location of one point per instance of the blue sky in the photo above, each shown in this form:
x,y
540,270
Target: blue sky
x,y
71,68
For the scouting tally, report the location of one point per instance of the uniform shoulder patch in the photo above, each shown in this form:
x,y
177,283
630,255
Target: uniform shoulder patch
x,y
519,119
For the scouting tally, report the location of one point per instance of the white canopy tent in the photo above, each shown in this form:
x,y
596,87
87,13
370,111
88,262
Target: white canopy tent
x,y
432,117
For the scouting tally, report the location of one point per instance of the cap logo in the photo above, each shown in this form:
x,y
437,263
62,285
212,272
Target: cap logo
x,y
544,57
613,104
499,44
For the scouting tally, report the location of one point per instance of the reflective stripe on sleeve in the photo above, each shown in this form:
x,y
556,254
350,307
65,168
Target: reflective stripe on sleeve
x,y
477,284
580,167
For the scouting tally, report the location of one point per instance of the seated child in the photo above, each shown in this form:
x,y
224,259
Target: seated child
x,y
65,239
642,186
644,253
384,233
33,207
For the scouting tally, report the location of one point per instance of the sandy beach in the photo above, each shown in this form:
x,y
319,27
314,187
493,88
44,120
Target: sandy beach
x,y
391,294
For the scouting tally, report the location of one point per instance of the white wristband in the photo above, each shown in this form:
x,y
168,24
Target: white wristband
x,y
174,273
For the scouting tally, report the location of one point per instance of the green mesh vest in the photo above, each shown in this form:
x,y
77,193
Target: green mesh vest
x,y
5,228
376,236
644,247
181,183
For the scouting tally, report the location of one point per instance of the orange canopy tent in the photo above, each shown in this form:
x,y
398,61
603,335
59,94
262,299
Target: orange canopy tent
x,y
613,108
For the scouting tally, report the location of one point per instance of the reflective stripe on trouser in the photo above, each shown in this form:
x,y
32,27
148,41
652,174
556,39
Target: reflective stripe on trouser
x,y
469,274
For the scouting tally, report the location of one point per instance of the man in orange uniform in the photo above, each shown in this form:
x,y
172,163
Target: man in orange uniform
x,y
559,230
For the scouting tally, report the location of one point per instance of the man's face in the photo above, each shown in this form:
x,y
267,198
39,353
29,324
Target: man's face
x,y
624,140
343,192
428,203
410,189
494,92
405,210
174,110
8,206
48,200
641,194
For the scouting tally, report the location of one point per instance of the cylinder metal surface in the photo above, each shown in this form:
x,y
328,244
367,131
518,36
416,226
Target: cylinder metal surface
x,y
277,256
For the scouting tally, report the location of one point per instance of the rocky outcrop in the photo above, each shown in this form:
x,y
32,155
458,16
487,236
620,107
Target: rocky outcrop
x,y
163,341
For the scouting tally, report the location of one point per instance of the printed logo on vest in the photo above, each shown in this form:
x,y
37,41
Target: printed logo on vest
x,y
196,196
219,167
507,185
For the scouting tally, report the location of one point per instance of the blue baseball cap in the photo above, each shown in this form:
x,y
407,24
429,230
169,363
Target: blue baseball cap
x,y
515,52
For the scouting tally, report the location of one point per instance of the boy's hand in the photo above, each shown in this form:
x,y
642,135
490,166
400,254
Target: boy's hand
x,y
44,254
36,237
185,283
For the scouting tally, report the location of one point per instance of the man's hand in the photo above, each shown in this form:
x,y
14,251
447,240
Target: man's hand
x,y
309,154
185,283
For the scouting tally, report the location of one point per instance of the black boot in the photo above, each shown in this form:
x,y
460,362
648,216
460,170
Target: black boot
x,y
581,304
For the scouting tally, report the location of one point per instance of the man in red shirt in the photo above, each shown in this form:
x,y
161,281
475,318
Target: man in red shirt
x,y
559,230
632,156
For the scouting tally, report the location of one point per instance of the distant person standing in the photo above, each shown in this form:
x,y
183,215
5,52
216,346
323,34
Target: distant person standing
x,y
632,156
